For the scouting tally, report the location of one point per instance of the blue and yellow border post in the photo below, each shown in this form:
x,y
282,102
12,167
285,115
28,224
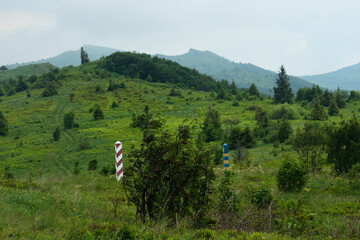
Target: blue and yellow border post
x,y
226,157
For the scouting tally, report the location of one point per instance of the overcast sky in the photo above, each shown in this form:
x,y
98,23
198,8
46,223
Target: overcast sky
x,y
306,36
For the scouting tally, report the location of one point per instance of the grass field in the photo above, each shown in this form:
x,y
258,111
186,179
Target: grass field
x,y
63,205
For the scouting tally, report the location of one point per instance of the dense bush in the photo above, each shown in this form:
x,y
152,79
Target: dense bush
x,y
291,176
169,176
98,113
212,126
92,165
344,145
285,111
56,134
243,137
146,120
285,130
69,120
310,144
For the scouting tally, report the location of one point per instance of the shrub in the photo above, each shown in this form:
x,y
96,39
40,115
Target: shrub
x,y
212,126
114,105
69,120
284,130
98,113
343,145
76,168
243,137
310,144
92,165
56,134
235,104
291,176
285,111
260,195
354,172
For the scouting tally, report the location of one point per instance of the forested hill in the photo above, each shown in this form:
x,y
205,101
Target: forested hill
x,y
155,69
243,75
33,69
346,78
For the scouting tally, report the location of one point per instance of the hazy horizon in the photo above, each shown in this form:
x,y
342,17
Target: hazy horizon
x,y
306,37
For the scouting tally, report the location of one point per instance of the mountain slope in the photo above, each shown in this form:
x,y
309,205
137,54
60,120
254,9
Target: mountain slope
x,y
27,70
243,74
346,78
71,57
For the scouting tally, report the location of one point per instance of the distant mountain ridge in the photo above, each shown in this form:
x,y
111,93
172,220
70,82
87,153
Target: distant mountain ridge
x,y
347,78
243,75
71,57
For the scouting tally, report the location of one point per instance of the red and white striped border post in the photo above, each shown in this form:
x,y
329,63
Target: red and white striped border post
x,y
118,160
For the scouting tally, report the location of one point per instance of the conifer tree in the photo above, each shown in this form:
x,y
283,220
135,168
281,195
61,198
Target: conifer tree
x,y
253,91
84,56
3,125
283,93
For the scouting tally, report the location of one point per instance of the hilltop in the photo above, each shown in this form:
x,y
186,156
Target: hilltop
x,y
243,74
32,69
346,78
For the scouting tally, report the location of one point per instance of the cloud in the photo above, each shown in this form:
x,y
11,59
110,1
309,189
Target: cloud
x,y
12,21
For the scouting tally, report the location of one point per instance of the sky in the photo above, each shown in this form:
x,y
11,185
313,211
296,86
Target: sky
x,y
306,36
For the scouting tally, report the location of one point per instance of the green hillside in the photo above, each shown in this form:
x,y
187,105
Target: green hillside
x,y
346,78
48,189
243,75
33,69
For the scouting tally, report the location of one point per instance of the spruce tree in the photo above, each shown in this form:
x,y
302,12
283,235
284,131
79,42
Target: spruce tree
x,y
84,56
253,91
283,93
3,125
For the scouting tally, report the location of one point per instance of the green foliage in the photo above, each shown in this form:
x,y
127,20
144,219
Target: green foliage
x,y
114,104
235,104
291,176
260,195
344,145
76,168
114,86
84,56
340,98
310,143
333,108
309,94
146,120
92,166
169,176
50,90
285,111
285,130
98,113
4,129
354,172
318,112
228,200
69,120
243,137
253,91
56,134
175,93
161,70
3,68
21,85
282,91
261,117
354,96
221,94
2,92
212,126
241,155
217,152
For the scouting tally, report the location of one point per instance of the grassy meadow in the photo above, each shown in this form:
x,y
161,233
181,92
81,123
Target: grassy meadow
x,y
54,203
